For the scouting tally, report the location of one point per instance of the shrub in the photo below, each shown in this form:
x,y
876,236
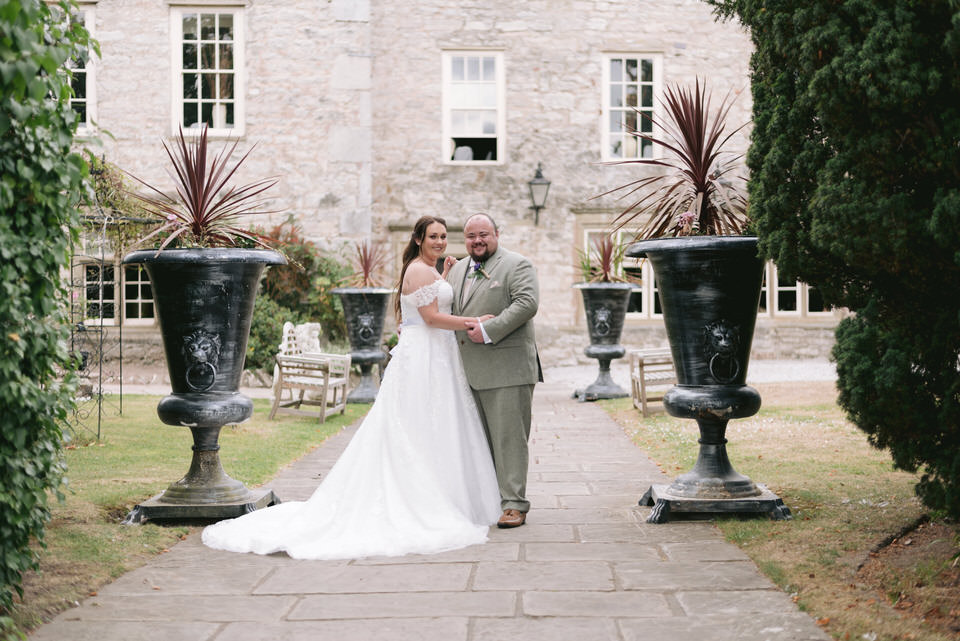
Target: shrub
x,y
304,285
855,189
41,184
265,332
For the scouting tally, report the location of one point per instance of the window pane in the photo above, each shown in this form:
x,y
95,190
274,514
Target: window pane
x,y
474,119
190,114
208,56
489,69
79,85
646,121
615,147
473,68
190,56
632,69
208,86
190,85
631,95
208,26
631,120
206,114
630,147
458,123
473,95
616,95
190,26
787,301
130,291
815,301
226,56
616,124
490,122
226,26
646,70
646,148
646,96
616,70
229,118
226,86
456,68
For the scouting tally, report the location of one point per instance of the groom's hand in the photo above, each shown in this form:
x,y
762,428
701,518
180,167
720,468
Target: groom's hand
x,y
474,333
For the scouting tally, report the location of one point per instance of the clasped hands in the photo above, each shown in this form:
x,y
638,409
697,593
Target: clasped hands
x,y
474,332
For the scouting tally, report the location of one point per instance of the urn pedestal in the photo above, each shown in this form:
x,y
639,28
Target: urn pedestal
x,y
709,291
204,303
365,309
605,306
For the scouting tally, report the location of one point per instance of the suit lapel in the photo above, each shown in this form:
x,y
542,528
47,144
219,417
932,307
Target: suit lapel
x,y
481,282
459,282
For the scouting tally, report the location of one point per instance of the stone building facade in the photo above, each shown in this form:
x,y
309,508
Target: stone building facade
x,y
373,113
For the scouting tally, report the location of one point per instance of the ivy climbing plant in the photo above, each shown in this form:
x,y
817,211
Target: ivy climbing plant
x,y
42,184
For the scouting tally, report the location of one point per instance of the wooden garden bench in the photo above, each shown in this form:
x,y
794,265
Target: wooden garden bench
x,y
651,375
308,375
317,381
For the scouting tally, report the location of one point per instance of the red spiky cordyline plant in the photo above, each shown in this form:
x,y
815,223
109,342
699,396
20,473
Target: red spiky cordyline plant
x,y
369,263
608,257
692,197
205,212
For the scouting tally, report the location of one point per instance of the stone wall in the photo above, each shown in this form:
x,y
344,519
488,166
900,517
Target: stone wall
x,y
343,100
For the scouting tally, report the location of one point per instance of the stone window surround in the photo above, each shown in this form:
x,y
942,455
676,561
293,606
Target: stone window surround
x,y
501,147
238,8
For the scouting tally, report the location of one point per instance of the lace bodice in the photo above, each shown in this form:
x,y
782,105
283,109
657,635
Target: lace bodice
x,y
409,303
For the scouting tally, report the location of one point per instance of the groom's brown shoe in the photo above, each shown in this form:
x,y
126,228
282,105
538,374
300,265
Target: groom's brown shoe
x,y
512,518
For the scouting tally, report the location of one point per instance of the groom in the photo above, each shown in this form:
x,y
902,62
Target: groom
x,y
500,355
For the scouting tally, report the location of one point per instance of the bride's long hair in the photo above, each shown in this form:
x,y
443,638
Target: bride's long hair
x,y
412,251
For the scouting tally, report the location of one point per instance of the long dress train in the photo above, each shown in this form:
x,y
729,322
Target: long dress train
x,y
417,477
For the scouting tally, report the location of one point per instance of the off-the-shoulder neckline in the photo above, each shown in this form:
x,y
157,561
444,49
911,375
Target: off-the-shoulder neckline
x,y
437,280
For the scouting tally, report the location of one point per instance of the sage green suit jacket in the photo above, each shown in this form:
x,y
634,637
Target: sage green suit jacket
x,y
511,294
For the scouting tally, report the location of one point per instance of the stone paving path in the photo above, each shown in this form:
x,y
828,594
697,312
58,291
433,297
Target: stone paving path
x,y
586,567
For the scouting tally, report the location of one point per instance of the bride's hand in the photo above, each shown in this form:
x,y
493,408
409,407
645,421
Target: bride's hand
x,y
448,262
484,318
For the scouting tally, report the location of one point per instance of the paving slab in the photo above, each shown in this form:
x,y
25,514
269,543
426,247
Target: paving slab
x,y
586,567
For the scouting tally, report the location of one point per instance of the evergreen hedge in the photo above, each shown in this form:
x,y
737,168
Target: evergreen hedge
x,y
41,182
855,189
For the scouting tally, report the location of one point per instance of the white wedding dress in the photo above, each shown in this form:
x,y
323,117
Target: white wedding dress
x,y
417,477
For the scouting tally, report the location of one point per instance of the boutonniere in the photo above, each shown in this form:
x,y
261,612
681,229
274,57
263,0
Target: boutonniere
x,y
479,271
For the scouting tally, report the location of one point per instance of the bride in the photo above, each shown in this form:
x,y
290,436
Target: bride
x,y
417,477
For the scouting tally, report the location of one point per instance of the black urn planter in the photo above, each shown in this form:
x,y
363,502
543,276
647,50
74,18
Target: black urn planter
x,y
204,303
605,306
364,309
709,291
